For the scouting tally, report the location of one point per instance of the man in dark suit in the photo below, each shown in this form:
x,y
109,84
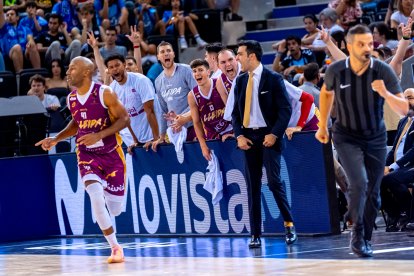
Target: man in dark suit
x,y
399,171
260,117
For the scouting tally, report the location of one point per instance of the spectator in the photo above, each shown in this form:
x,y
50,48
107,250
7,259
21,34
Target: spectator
x,y
172,87
18,5
348,10
148,21
311,79
207,106
44,5
33,21
382,35
175,19
392,6
16,40
58,73
295,61
67,10
54,43
110,47
328,17
89,24
211,56
225,5
311,39
154,71
38,88
112,13
404,8
2,66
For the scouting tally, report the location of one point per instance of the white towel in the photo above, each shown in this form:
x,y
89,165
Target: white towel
x,y
214,180
178,140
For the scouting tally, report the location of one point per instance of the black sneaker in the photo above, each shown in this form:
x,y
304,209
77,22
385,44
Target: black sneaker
x,y
236,17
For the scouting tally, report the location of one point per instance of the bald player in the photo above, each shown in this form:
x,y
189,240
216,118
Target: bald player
x,y
97,117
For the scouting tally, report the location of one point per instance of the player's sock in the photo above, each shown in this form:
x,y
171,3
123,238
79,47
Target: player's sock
x,y
112,240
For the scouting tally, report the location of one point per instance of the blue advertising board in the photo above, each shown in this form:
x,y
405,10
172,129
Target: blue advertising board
x,y
44,195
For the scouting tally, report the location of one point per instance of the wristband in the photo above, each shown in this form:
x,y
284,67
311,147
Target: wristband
x,y
136,46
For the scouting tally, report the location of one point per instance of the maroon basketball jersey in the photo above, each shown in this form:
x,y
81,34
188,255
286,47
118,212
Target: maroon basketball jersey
x,y
211,110
226,81
92,116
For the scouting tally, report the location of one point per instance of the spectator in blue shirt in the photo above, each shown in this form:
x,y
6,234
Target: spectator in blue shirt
x,y
33,21
148,20
67,10
2,67
16,40
112,13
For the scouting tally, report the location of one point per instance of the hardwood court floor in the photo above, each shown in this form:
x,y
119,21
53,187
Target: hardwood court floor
x,y
394,255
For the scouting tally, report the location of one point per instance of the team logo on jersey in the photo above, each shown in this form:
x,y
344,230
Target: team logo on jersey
x,y
73,104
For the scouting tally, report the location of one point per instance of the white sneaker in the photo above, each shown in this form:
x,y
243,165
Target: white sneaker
x,y
183,43
200,42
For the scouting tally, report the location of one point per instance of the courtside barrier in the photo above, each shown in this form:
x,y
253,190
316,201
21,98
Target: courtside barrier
x,y
43,195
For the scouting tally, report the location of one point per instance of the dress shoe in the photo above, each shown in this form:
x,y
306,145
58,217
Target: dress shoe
x,y
369,248
358,245
290,236
255,242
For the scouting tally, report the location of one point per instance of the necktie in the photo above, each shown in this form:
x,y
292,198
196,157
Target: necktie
x,y
248,102
404,131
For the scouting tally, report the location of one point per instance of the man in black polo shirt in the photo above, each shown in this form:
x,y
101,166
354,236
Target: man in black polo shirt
x,y
56,41
360,85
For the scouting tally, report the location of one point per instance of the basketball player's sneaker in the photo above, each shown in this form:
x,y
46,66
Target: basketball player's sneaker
x,y
117,255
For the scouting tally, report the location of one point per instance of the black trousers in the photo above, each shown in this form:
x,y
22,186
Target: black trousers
x,y
255,158
395,197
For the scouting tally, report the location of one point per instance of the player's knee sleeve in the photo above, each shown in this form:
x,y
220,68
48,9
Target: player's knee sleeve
x,y
96,195
115,208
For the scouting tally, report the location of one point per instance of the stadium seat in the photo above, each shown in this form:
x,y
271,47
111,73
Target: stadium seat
x,y
208,24
365,19
25,76
380,16
58,92
8,84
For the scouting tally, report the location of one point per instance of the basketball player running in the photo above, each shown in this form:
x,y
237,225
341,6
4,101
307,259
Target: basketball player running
x,y
97,117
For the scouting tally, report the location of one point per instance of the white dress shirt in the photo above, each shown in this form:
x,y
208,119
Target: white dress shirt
x,y
256,116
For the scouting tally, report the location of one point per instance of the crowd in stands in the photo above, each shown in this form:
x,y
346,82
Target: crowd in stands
x,y
114,35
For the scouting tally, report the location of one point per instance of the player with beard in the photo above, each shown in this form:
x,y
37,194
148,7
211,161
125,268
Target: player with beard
x,y
172,87
137,94
97,117
360,85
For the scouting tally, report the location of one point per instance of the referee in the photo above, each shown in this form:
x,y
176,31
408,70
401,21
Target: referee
x,y
360,85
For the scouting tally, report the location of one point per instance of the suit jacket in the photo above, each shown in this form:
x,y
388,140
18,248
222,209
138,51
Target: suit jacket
x,y
408,158
273,100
